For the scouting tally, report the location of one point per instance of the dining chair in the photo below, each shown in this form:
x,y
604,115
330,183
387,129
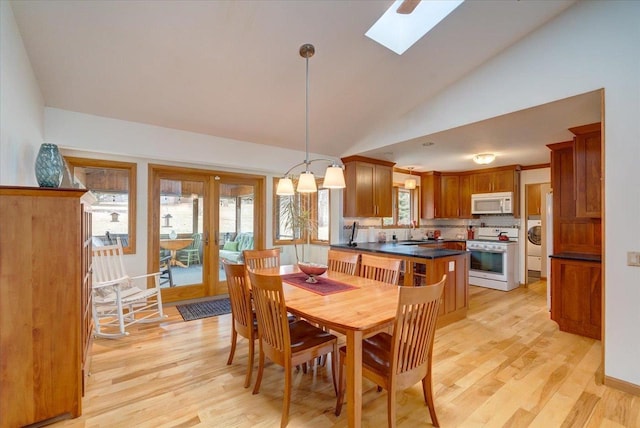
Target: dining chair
x,y
286,343
343,262
399,360
166,276
256,259
244,320
383,269
117,301
192,252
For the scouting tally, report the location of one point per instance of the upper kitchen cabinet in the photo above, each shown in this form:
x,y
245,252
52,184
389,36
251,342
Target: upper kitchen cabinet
x,y
446,195
369,187
534,199
588,164
465,196
430,188
575,232
495,180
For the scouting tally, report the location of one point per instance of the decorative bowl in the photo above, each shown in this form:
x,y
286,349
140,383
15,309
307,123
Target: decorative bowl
x,y
312,269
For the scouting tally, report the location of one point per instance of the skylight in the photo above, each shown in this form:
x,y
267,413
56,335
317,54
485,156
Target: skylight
x,y
399,32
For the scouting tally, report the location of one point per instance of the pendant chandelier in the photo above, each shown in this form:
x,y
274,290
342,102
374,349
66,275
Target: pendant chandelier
x,y
410,183
333,177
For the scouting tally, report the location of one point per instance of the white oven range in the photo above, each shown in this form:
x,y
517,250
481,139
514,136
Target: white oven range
x,y
494,262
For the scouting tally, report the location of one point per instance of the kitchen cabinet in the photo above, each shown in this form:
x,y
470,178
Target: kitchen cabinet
x,y
465,196
445,195
45,302
588,165
576,295
430,188
495,180
369,187
534,199
449,196
572,233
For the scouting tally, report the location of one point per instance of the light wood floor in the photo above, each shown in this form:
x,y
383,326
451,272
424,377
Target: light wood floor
x,y
506,365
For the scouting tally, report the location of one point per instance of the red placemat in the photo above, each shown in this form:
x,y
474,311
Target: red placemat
x,y
323,287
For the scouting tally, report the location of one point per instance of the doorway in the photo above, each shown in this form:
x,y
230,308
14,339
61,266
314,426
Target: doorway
x,y
192,215
535,245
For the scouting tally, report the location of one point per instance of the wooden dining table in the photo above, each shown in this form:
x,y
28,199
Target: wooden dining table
x,y
357,313
174,245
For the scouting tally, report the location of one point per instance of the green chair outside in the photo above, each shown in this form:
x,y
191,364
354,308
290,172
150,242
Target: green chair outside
x,y
191,254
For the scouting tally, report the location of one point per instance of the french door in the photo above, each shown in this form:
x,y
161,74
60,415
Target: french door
x,y
193,214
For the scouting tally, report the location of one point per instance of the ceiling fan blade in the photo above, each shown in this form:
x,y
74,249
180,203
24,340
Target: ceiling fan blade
x,y
407,6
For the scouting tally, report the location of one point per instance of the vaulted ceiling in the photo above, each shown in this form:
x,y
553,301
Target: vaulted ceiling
x,y
232,69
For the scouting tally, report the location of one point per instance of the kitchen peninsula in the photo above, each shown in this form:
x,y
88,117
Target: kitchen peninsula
x,y
422,264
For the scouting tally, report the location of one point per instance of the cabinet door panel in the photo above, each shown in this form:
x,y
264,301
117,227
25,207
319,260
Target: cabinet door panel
x,y
383,191
576,296
450,197
588,175
465,196
365,205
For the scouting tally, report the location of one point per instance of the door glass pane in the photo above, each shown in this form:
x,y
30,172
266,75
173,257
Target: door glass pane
x,y
181,231
235,223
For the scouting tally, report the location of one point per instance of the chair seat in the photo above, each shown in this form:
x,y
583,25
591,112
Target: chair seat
x,y
128,295
305,336
375,353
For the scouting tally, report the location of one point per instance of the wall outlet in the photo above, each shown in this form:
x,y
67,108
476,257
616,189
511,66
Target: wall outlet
x,y
633,258
452,266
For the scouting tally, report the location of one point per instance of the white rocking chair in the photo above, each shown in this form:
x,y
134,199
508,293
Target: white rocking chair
x,y
117,302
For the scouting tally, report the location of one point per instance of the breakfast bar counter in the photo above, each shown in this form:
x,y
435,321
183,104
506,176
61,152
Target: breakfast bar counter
x,y
423,266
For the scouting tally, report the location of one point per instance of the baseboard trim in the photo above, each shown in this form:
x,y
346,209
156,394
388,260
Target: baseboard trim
x,y
622,385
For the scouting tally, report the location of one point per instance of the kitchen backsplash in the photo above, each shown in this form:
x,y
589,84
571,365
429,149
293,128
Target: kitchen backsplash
x,y
369,229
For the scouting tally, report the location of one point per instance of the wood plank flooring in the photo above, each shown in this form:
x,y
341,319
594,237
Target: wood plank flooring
x,y
506,365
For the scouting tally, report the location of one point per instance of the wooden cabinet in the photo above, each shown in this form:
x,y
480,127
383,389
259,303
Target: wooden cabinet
x,y
369,187
445,195
494,180
45,303
465,196
450,196
572,233
534,200
576,296
588,165
430,188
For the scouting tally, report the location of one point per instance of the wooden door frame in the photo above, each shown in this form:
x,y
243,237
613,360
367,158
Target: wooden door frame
x,y
211,212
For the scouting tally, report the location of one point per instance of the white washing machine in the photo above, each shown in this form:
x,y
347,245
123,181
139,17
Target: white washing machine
x,y
534,245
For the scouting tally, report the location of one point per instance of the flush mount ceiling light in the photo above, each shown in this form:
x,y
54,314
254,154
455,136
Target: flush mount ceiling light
x,y
410,183
405,22
333,177
484,158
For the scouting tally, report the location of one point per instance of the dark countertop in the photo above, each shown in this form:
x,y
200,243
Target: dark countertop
x,y
577,256
399,249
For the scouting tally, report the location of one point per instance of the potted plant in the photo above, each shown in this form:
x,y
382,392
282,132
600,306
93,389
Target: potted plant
x,y
296,216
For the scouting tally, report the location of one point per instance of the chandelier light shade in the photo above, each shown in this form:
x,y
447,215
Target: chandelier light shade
x,y
334,178
334,175
410,183
484,158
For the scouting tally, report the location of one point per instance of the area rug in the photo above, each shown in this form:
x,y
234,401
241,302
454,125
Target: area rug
x,y
209,308
323,287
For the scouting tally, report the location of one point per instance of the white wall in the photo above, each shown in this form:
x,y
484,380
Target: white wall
x,y
21,106
592,45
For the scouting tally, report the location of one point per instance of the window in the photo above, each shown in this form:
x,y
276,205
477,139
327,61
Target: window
x,y
114,186
301,216
404,207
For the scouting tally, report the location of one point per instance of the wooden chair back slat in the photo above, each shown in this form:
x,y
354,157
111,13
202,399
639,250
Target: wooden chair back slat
x,y
383,269
271,312
343,262
240,298
257,259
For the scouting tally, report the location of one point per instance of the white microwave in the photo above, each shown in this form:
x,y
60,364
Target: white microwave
x,y
492,203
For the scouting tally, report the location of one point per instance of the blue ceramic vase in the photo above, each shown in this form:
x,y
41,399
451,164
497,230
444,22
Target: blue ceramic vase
x,y
49,166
